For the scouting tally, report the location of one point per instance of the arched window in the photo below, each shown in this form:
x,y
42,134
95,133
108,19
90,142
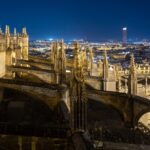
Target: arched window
x,y
145,119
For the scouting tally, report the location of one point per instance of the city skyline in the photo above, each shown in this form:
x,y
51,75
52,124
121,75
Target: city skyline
x,y
90,20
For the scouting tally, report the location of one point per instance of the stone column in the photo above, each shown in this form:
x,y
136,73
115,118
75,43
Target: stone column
x,y
8,62
146,86
119,85
33,143
132,86
20,142
65,96
57,79
126,86
1,94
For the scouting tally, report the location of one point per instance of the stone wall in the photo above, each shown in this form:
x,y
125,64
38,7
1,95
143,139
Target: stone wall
x,y
2,63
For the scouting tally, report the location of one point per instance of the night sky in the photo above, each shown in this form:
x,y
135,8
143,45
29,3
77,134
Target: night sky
x,y
69,19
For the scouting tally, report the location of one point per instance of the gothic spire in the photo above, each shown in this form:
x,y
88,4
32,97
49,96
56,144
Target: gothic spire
x,y
7,30
15,32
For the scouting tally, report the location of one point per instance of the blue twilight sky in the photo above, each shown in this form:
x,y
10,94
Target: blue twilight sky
x,y
69,19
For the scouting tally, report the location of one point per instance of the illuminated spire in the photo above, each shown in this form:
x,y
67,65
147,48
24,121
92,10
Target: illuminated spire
x,y
62,58
132,86
15,32
62,49
76,47
78,95
56,56
7,30
105,57
52,53
76,54
62,45
62,41
132,64
105,65
24,31
132,60
1,32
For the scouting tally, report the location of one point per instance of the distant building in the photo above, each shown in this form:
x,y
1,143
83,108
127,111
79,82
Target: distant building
x,y
124,38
